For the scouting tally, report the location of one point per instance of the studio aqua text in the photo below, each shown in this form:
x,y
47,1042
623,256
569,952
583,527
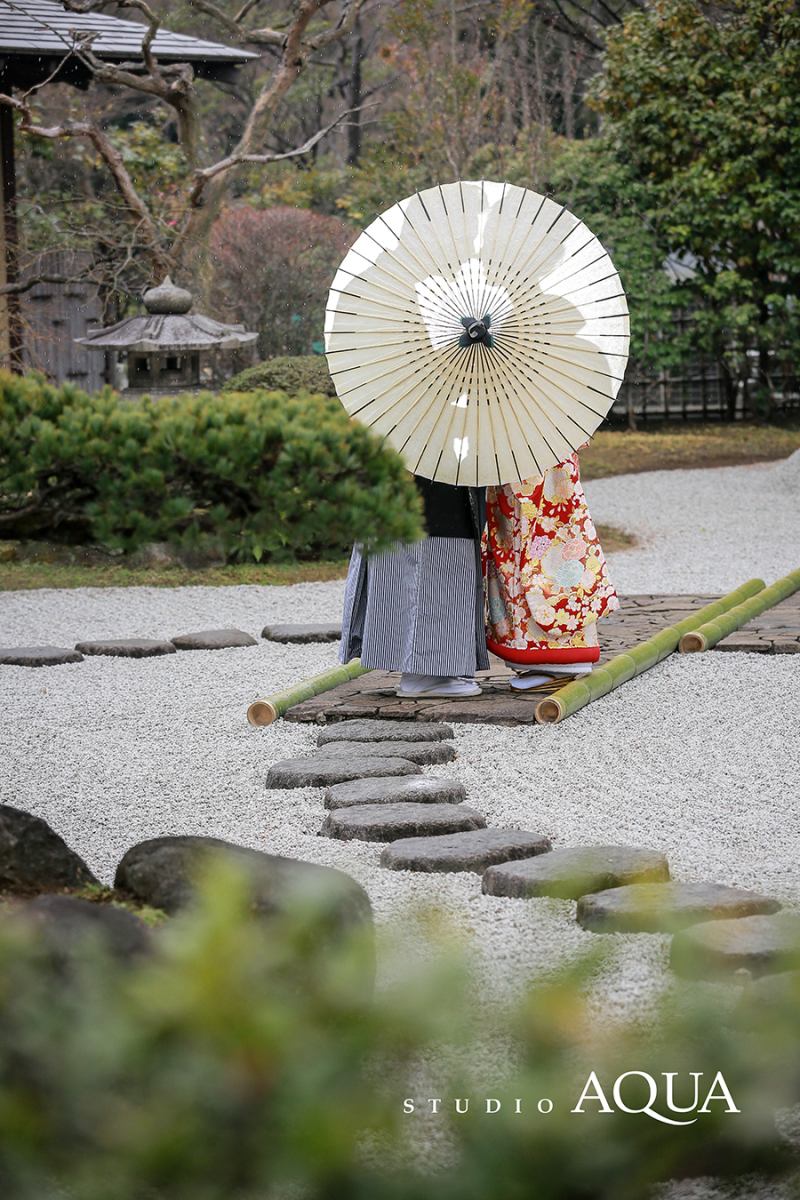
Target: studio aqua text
x,y
594,1098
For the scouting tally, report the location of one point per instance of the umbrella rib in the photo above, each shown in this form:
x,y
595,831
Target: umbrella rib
x,y
416,372
576,399
524,375
455,255
537,427
466,372
560,358
379,267
559,283
483,364
431,373
542,379
526,264
425,268
484,302
454,247
607,374
419,421
510,376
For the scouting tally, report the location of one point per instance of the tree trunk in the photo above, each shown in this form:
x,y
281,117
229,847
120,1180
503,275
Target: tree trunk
x,y
354,95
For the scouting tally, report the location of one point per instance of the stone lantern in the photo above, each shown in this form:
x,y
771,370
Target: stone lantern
x,y
164,348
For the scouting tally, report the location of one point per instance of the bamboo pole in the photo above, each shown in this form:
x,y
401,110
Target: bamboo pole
x,y
264,712
633,662
713,631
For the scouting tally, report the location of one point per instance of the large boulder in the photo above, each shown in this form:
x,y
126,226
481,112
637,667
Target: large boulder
x,y
162,872
33,858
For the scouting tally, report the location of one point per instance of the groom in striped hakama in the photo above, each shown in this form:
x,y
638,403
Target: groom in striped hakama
x,y
419,609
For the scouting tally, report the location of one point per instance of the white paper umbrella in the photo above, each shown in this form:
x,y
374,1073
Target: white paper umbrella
x,y
481,329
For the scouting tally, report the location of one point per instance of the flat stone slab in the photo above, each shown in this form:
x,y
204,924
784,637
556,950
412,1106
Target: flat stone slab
x,y
390,822
424,753
127,647
384,731
576,870
414,789
323,772
302,633
372,696
761,945
667,907
472,851
38,656
213,639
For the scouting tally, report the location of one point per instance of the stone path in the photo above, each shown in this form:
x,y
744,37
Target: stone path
x,y
427,827
776,631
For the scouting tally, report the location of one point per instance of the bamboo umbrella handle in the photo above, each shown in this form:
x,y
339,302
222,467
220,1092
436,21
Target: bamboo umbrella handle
x,y
641,658
264,712
713,631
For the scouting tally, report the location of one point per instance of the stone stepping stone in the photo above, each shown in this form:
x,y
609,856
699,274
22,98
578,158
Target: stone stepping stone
x,y
317,771
761,944
384,731
574,871
38,656
416,789
389,822
424,753
302,633
667,907
213,639
127,647
472,851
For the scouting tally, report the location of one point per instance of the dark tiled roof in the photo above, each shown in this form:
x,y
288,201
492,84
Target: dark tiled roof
x,y
41,27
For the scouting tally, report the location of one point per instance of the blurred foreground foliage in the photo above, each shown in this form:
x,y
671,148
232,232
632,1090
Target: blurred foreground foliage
x,y
248,1060
261,476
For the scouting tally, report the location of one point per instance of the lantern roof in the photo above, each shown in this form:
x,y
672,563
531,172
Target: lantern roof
x,y
168,327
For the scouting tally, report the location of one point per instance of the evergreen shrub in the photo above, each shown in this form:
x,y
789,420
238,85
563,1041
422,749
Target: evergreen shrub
x,y
288,373
258,475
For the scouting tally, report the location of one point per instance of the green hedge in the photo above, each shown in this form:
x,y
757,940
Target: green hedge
x,y
308,373
259,475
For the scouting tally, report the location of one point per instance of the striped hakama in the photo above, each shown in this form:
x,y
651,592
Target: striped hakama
x,y
417,609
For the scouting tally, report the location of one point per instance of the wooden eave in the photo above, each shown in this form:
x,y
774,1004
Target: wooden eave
x,y
38,37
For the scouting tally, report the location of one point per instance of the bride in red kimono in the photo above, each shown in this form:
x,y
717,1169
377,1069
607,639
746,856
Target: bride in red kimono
x,y
545,577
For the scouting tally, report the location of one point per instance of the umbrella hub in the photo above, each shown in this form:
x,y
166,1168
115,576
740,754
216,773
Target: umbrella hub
x,y
476,331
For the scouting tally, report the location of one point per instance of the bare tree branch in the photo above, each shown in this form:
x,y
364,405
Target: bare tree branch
x,y
203,177
172,84
211,10
113,159
245,9
16,289
341,29
266,37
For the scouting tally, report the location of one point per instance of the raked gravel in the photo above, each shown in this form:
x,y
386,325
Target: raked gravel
x,y
698,758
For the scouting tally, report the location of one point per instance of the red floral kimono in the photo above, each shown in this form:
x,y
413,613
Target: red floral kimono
x,y
545,575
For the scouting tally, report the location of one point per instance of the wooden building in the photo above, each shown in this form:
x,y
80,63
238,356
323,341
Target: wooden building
x,y
37,42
